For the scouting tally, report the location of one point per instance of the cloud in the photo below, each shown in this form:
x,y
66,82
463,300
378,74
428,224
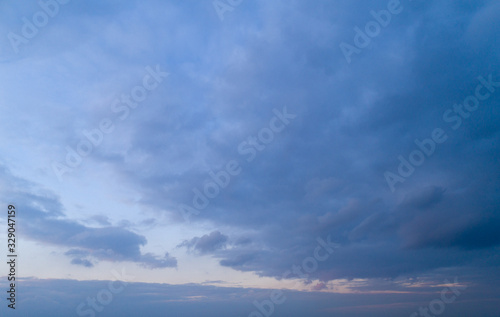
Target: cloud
x,y
321,176
107,243
208,243
424,198
239,261
44,297
84,262
319,286
101,220
43,220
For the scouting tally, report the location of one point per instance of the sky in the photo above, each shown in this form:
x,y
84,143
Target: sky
x,y
251,158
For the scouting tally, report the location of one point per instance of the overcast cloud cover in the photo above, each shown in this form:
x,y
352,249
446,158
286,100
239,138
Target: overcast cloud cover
x,y
226,142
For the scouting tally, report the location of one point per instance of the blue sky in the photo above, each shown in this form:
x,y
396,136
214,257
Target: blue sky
x,y
343,152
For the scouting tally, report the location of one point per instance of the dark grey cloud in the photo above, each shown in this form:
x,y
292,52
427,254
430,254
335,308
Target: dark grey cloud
x,y
207,243
323,175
